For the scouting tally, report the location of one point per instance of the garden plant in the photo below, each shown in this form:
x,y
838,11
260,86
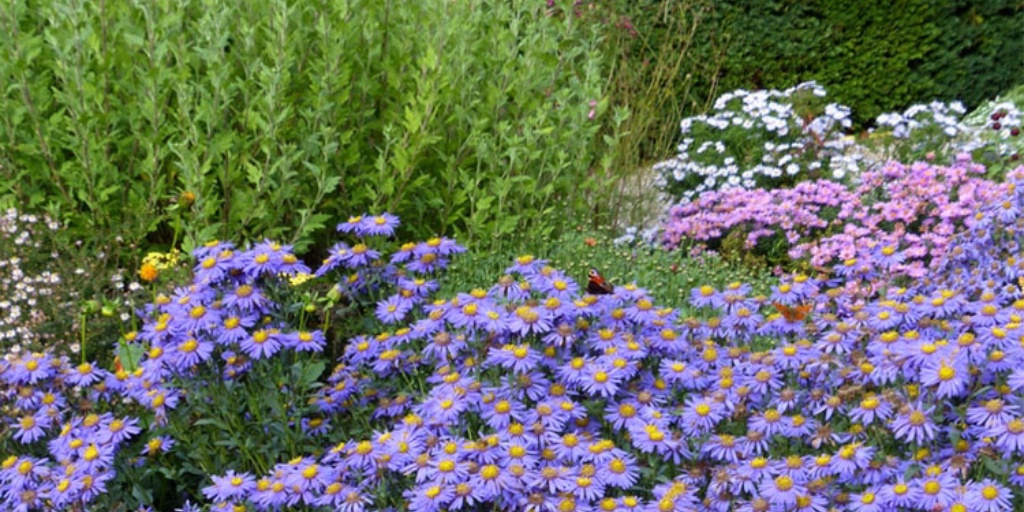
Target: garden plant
x,y
438,256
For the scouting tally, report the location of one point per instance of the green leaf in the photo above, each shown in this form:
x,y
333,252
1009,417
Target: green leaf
x,y
309,373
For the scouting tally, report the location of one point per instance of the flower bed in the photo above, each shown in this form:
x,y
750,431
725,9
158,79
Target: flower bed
x,y
531,395
906,213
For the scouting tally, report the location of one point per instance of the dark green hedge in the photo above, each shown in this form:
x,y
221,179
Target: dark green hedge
x,y
874,55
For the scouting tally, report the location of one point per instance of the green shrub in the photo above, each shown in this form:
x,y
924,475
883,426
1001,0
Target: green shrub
x,y
186,121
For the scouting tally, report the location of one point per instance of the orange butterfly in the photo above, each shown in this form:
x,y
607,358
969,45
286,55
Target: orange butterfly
x,y
793,313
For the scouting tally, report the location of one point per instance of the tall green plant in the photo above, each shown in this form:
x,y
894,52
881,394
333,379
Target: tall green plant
x,y
177,122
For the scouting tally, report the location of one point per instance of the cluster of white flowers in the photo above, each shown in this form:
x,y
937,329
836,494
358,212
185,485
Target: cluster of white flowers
x,y
39,289
992,132
917,117
19,290
634,236
776,141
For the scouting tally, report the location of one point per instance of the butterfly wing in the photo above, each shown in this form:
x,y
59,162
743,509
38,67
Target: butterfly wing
x,y
597,285
803,310
784,310
793,314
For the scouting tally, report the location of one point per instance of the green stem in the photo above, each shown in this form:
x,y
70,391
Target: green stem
x,y
83,338
177,230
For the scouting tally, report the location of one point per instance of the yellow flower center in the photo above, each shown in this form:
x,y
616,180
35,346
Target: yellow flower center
x,y
946,373
989,492
489,472
1015,426
783,483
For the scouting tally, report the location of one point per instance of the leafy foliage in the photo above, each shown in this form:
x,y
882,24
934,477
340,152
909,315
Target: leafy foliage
x,y
186,121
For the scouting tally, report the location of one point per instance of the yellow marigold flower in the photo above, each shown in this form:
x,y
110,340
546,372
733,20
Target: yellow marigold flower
x,y
148,272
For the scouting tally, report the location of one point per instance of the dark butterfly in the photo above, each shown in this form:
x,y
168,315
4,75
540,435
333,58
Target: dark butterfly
x,y
597,285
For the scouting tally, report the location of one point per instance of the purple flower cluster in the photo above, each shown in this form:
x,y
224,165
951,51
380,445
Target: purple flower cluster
x,y
904,214
42,394
850,394
225,320
226,313
540,399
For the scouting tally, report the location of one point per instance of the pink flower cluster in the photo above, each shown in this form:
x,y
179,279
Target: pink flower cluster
x,y
910,211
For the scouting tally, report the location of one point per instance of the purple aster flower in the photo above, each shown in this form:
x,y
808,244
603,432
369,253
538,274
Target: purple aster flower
x,y
379,225
118,430
31,427
600,381
622,414
360,256
197,318
191,352
939,489
950,377
491,481
337,254
899,494
429,497
852,458
158,444
353,225
526,320
587,488
342,497
214,266
518,358
246,297
234,329
769,422
700,415
232,486
308,478
85,374
871,407
866,501
305,341
989,496
444,346
189,507
262,343
706,296
32,370
500,412
551,479
782,491
991,413
914,425
1009,435
620,471
444,409
64,492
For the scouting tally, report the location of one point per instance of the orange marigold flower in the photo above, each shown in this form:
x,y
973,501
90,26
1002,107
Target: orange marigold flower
x,y
590,241
148,272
